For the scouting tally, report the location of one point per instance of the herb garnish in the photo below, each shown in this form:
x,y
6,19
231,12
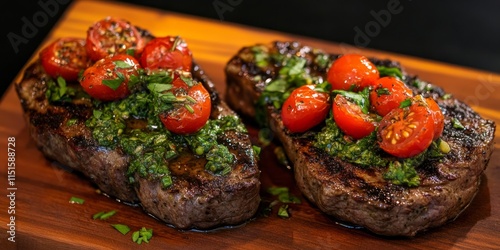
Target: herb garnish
x,y
406,103
142,235
457,124
390,71
285,198
382,91
123,229
261,56
59,91
402,174
76,200
103,215
114,83
362,98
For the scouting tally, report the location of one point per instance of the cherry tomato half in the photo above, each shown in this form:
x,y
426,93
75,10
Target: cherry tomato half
x,y
111,36
166,53
304,109
65,57
350,119
387,94
188,118
406,132
108,78
352,72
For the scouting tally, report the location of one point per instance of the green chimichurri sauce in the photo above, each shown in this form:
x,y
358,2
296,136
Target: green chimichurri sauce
x,y
294,72
133,125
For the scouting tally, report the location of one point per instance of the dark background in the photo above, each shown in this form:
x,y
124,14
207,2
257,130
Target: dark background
x,y
460,32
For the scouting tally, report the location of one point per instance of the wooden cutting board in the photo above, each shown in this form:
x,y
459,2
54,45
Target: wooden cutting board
x,y
45,219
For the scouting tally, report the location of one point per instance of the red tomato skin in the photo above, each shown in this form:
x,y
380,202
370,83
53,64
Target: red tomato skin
x,y
419,139
304,109
158,54
65,57
350,119
181,121
352,72
382,104
94,75
103,39
438,117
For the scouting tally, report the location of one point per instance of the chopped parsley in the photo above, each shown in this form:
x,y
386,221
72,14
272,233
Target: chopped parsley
x,y
103,215
59,91
123,229
390,71
76,200
362,98
406,103
283,211
382,91
402,174
284,198
142,235
457,124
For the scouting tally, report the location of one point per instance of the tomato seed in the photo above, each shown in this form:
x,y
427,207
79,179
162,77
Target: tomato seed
x,y
406,134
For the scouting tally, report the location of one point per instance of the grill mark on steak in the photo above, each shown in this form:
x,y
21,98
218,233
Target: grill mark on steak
x,y
358,195
196,200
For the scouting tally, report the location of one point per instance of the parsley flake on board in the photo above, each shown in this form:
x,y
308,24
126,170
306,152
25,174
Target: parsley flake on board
x,y
143,235
123,229
103,215
76,200
285,198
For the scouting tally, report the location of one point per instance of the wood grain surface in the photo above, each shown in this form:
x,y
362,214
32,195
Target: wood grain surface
x,y
45,219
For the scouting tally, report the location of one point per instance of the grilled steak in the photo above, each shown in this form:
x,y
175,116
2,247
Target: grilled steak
x,y
359,195
196,198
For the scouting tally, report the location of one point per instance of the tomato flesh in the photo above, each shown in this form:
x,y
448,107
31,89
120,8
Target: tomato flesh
x,y
65,57
181,120
95,78
111,36
304,109
387,94
352,72
166,53
350,119
406,132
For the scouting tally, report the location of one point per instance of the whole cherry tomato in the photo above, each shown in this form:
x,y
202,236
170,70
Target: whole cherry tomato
x,y
352,72
304,109
387,94
111,36
351,119
65,57
187,117
108,78
166,53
